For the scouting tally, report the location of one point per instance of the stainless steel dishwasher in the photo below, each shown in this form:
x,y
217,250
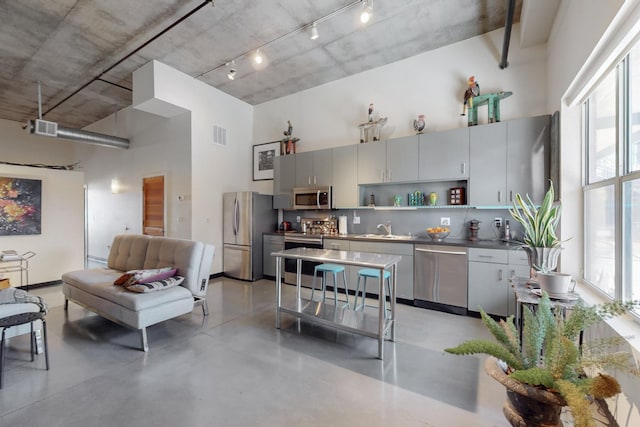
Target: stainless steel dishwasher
x,y
440,280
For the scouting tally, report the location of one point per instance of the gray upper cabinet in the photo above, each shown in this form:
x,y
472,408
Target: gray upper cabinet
x,y
345,176
508,158
488,167
394,160
402,159
314,168
372,162
284,174
444,155
527,153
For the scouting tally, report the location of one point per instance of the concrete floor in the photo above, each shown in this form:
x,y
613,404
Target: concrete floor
x,y
233,368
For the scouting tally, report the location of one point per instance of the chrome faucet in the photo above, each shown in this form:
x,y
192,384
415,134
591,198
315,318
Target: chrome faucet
x,y
387,227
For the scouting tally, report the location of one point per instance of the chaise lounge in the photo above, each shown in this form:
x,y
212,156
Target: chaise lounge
x,y
94,288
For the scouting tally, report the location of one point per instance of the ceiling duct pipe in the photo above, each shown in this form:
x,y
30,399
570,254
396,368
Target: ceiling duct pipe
x,y
92,137
507,34
52,129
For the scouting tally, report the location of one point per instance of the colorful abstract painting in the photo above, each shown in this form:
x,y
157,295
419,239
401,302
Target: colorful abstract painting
x,y
20,206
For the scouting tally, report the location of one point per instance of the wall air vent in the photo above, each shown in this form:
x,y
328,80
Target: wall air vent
x,y
219,135
43,127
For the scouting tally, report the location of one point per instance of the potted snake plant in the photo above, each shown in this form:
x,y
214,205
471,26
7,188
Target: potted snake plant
x,y
539,224
545,370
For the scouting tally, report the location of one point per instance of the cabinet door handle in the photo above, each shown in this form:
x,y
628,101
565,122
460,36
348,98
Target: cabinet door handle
x,y
314,180
500,275
309,179
388,175
511,196
463,167
499,196
382,175
485,256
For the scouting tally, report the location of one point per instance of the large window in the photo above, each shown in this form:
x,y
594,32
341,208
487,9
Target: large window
x,y
612,184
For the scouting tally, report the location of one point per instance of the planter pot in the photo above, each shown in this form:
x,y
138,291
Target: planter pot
x,y
542,259
526,406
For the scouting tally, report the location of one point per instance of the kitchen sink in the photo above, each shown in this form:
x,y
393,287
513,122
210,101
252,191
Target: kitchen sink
x,y
384,236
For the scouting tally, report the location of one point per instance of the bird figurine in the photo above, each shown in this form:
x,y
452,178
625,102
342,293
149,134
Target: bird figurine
x,y
419,124
472,90
289,130
370,112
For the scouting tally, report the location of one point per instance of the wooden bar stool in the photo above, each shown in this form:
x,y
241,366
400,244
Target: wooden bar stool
x,y
373,273
334,269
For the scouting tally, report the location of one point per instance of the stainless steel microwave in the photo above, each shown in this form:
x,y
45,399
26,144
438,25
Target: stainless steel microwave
x,y
312,198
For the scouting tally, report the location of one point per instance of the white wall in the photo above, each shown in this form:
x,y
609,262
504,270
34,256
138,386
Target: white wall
x,y
60,246
212,169
432,83
570,44
159,146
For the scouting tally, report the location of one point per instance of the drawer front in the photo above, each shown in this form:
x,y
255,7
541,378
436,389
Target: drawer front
x,y
335,244
498,256
518,257
383,247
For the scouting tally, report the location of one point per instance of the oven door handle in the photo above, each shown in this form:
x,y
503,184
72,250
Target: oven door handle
x,y
314,242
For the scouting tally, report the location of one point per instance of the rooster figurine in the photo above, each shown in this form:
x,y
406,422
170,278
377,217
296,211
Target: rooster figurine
x,y
472,91
419,124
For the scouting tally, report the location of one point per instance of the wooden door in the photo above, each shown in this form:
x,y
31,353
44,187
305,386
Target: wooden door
x,y
153,206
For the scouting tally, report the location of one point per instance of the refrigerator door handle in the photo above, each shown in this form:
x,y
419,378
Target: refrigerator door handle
x,y
235,216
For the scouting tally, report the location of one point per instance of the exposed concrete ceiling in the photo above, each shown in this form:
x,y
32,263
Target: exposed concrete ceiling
x,y
69,44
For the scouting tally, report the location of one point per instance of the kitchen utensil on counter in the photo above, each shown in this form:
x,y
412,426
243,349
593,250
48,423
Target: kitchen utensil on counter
x,y
342,224
285,226
473,230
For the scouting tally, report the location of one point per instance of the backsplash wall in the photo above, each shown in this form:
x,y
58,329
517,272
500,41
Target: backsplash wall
x,y
416,221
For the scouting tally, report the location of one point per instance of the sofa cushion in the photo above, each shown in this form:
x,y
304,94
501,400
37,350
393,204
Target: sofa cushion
x,y
158,285
128,252
99,282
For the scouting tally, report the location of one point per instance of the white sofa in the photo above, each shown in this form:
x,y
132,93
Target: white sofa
x,y
94,288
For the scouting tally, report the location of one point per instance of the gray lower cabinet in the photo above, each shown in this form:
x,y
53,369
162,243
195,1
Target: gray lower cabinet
x,y
405,266
518,267
340,245
489,281
270,243
345,176
444,155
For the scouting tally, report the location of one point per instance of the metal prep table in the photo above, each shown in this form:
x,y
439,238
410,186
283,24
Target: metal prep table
x,y
325,313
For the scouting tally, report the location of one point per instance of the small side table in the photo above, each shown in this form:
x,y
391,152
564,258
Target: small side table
x,y
525,296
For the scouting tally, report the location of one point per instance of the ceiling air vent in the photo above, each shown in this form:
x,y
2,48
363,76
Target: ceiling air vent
x,y
46,128
219,135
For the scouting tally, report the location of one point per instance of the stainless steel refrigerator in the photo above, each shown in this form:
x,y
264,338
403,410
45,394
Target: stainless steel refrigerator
x,y
246,215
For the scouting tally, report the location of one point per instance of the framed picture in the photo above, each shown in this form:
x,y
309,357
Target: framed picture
x,y
20,206
263,155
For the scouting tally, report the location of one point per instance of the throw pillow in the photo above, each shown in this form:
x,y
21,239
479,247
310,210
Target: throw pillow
x,y
159,276
159,285
132,277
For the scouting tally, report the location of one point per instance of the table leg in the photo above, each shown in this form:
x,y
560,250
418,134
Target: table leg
x,y
394,278
278,290
381,314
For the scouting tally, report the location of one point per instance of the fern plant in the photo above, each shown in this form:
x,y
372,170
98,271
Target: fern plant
x,y
548,355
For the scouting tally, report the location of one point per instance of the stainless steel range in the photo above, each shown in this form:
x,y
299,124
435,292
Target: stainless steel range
x,y
311,236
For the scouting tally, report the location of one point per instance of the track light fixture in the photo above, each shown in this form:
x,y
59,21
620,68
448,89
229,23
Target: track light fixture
x,y
232,71
314,31
258,57
367,11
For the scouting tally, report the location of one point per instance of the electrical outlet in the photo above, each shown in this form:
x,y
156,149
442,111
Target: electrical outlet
x,y
297,219
497,222
445,220
356,220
